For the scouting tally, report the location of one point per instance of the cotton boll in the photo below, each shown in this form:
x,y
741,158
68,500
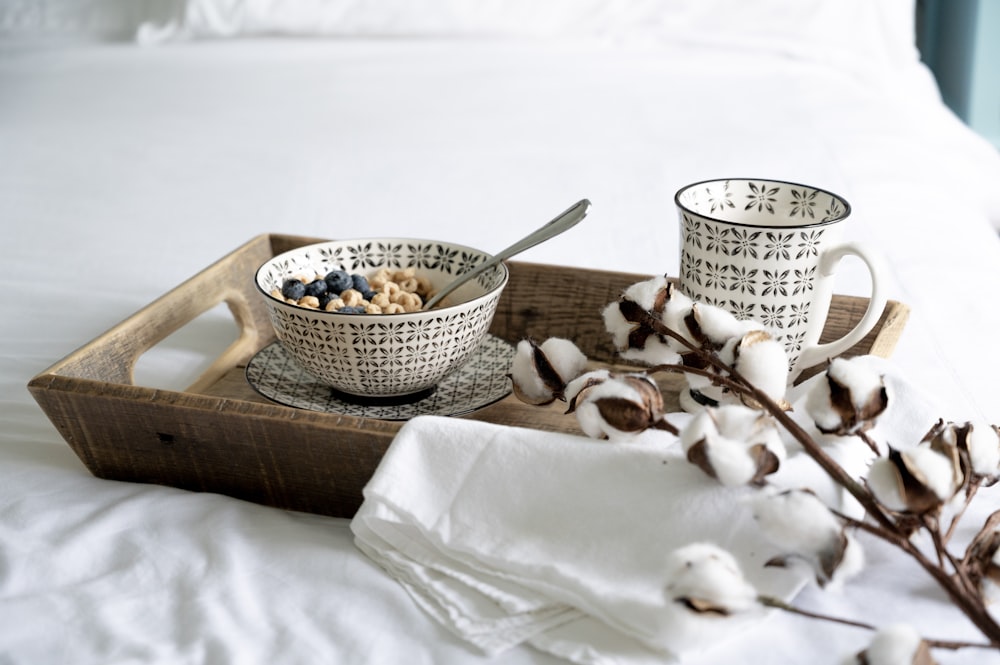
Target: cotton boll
x,y
619,407
617,325
861,381
525,375
709,393
820,407
918,480
713,326
620,321
540,372
701,426
717,324
633,337
707,579
647,292
675,311
983,443
803,527
849,401
885,483
637,343
896,644
654,353
935,471
566,358
851,563
762,361
704,386
750,426
991,591
991,581
752,353
733,444
983,559
796,521
588,414
722,458
584,381
952,441
740,421
731,461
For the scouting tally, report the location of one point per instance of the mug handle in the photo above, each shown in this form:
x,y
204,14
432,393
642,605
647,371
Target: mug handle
x,y
814,355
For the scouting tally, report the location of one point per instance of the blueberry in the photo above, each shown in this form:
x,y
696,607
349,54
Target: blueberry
x,y
325,299
317,288
360,283
293,289
368,295
338,281
352,310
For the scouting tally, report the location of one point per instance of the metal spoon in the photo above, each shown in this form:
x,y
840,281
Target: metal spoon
x,y
565,221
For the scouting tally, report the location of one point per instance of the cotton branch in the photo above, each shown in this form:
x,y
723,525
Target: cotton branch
x,y
958,586
777,603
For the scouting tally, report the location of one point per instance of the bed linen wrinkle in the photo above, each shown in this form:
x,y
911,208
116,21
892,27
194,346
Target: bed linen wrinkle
x,y
219,586
157,161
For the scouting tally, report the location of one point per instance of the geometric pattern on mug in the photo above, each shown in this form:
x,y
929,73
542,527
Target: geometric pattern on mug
x,y
778,296
763,197
747,291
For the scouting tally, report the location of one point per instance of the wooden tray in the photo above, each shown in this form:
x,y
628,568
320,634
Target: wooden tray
x,y
220,435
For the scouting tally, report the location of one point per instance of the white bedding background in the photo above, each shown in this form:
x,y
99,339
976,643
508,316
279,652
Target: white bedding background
x,y
127,167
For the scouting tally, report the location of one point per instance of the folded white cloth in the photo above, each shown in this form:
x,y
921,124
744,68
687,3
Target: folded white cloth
x,y
509,535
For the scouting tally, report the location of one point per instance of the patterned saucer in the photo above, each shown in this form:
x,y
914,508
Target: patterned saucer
x,y
478,383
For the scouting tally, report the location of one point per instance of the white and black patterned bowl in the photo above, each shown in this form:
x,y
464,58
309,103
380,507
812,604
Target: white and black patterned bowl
x,y
384,356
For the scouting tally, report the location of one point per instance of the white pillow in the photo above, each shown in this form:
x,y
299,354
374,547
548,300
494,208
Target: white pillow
x,y
862,33
871,33
401,18
83,18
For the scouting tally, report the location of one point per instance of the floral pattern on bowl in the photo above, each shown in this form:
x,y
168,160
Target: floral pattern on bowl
x,y
384,355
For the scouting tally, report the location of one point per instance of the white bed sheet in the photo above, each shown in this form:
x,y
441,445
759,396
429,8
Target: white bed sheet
x,y
125,170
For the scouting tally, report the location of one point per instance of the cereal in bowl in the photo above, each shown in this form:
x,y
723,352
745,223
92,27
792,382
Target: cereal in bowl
x,y
385,292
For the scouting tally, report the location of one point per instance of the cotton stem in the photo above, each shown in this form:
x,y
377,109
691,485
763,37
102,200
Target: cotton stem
x,y
956,586
777,603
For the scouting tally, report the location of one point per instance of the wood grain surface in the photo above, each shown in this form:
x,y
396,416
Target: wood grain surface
x,y
219,435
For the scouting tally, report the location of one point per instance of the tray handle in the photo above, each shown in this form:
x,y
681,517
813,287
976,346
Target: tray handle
x,y
112,356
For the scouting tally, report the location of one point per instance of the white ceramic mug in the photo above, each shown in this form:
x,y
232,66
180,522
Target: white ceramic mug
x,y
767,250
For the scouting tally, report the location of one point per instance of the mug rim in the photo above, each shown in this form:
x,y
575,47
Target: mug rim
x,y
714,218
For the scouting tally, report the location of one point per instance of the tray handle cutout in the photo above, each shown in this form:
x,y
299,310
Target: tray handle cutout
x,y
112,357
191,358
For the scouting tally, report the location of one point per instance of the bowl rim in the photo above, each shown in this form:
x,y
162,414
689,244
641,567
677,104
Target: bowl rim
x,y
364,315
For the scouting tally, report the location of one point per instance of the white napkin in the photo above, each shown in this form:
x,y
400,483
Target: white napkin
x,y
509,535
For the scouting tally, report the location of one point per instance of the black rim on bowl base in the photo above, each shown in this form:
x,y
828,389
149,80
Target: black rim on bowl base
x,y
382,400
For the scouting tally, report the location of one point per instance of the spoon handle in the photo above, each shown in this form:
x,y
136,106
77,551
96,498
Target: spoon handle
x,y
563,222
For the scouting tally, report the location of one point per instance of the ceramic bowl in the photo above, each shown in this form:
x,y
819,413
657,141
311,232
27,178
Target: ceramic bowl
x,y
384,356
